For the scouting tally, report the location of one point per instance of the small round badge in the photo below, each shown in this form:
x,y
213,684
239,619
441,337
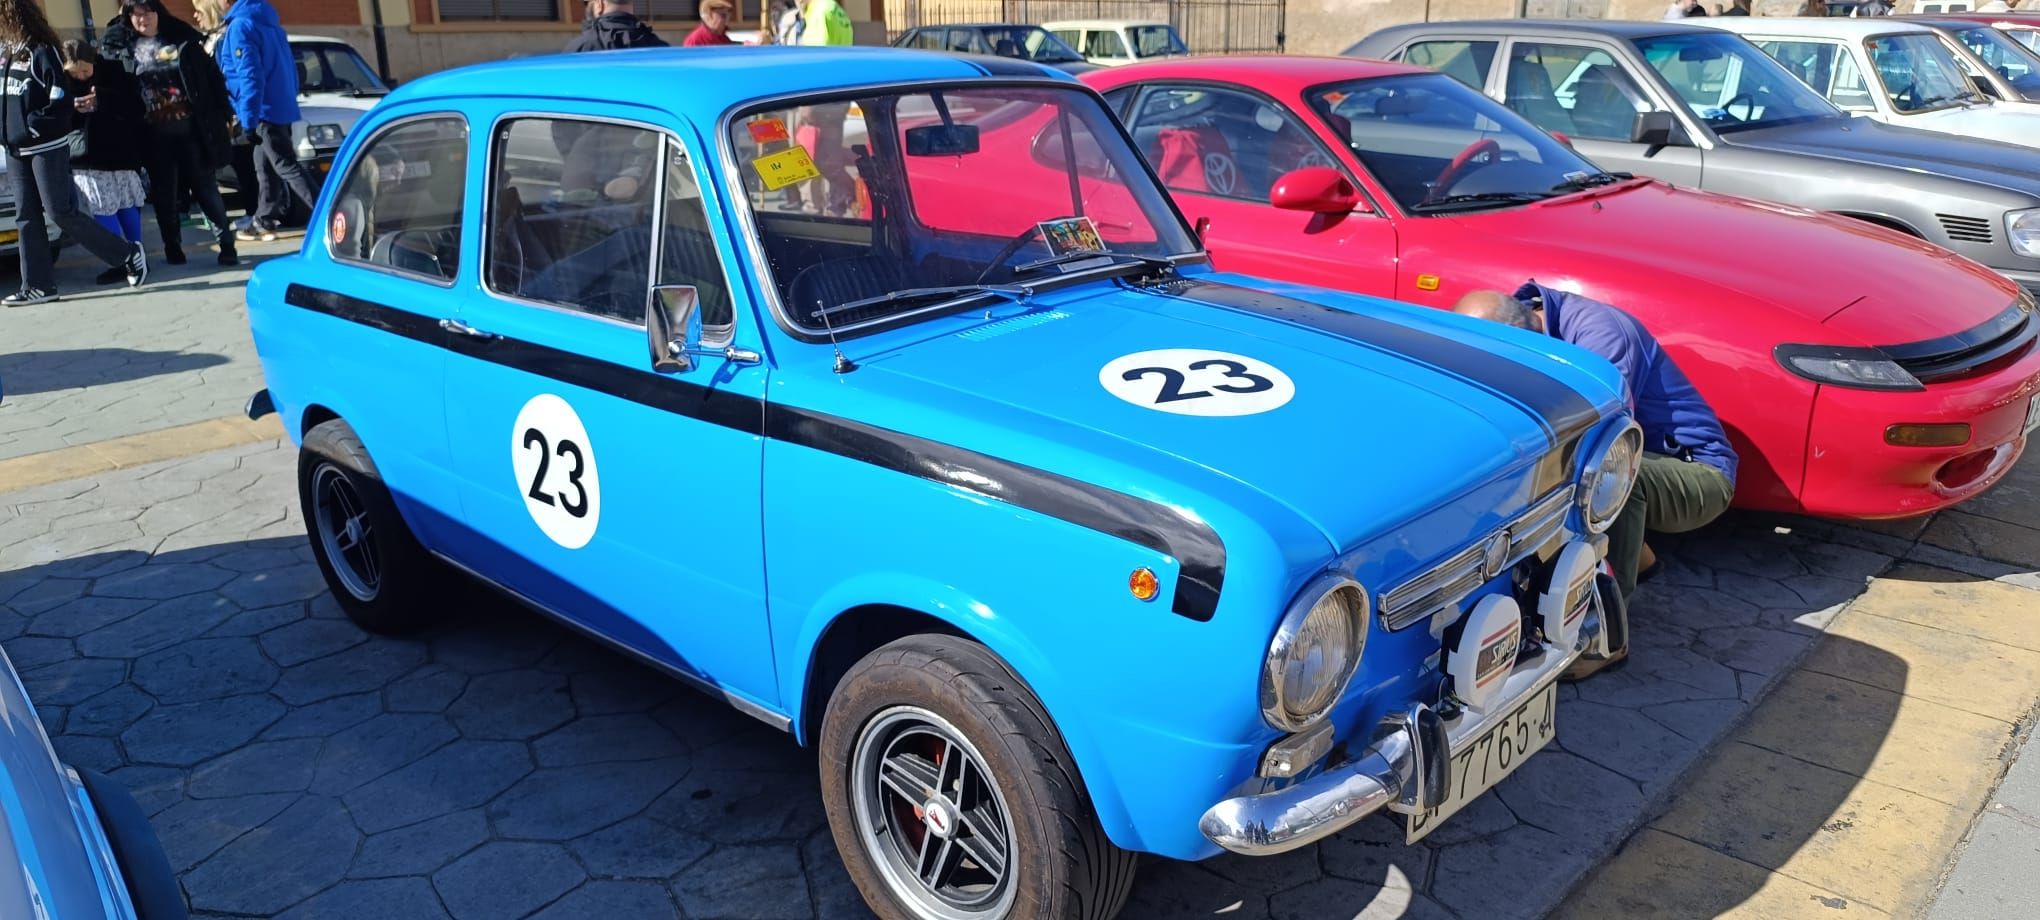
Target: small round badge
x,y
339,226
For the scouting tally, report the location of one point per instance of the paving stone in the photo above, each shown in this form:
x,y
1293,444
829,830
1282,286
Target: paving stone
x,y
1343,899
69,543
257,559
1572,797
191,733
76,618
1492,878
834,895
1697,720
512,705
157,628
1482,817
75,681
327,717
1628,743
622,687
1164,888
205,669
259,621
429,689
1659,875
87,753
639,848
457,777
498,640
507,879
108,713
561,804
743,806
1753,649
612,899
700,722
365,667
422,848
162,582
154,788
48,594
377,746
35,651
605,739
197,828
298,854
305,640
745,883
269,766
298,582
381,899
1268,873
1372,852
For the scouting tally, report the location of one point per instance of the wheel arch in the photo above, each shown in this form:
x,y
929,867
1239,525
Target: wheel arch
x,y
315,415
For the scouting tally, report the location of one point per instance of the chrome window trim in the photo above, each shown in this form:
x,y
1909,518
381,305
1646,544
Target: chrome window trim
x,y
746,216
326,237
1446,584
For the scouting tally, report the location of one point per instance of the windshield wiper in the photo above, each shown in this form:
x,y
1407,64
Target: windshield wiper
x,y
1471,202
937,294
1124,258
1578,181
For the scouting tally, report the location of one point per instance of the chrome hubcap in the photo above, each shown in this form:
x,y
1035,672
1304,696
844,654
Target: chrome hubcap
x,y
931,817
340,518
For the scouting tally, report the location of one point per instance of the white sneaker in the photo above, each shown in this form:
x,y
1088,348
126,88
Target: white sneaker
x,y
137,266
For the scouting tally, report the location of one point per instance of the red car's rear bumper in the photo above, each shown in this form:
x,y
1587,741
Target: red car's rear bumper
x,y
1852,472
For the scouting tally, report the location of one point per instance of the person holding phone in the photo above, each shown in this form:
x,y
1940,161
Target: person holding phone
x,y
108,170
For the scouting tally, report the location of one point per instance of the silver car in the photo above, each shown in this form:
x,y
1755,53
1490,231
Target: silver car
x,y
1704,108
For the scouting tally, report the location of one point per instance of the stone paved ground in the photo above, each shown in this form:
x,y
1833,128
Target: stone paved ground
x,y
173,631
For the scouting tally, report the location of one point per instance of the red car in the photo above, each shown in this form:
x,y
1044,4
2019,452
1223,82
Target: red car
x,y
1861,373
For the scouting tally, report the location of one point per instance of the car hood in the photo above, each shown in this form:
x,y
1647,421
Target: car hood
x,y
1903,289
1997,122
1865,141
1375,435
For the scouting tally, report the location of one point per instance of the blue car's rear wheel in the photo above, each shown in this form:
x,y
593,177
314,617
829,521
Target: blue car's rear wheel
x,y
952,797
375,568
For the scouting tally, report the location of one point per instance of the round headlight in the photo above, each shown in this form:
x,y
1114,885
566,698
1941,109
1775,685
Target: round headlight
x,y
1604,489
1314,653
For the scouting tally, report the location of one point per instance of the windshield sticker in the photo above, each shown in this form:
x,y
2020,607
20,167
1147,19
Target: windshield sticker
x,y
1071,234
1195,381
767,130
779,170
554,463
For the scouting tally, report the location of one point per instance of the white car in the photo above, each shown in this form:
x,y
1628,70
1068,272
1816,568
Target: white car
x,y
335,88
1111,42
1890,70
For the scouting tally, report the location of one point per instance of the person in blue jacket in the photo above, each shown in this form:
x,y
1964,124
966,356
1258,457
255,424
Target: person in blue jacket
x,y
254,54
1688,474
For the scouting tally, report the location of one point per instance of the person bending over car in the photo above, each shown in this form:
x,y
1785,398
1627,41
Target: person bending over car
x,y
1688,474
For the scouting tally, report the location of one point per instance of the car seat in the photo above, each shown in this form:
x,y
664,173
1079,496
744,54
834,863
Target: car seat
x,y
1530,95
516,252
1195,157
840,281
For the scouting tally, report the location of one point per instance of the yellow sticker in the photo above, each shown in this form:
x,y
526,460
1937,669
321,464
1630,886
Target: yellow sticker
x,y
779,170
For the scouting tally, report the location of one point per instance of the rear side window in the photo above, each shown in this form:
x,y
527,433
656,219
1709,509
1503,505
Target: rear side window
x,y
400,208
1105,44
1467,61
571,210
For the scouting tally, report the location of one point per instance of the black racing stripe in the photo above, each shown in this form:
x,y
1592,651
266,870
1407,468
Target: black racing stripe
x,y
1159,527
1196,547
1564,413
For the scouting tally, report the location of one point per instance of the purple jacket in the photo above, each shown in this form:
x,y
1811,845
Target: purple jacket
x,y
1675,419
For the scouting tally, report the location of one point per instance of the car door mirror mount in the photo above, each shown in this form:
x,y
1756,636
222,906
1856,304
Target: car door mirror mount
x,y
1318,189
675,332
1657,129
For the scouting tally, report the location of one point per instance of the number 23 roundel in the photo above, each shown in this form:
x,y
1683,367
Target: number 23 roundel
x,y
1196,381
555,467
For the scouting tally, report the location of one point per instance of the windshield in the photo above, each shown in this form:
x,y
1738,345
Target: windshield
x,y
333,68
1156,41
1437,145
1729,84
1031,43
2013,61
1917,72
938,197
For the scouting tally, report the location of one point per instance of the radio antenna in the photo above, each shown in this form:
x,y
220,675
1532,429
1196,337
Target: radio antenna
x,y
843,365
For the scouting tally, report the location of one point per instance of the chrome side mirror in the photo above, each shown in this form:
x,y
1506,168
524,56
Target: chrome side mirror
x,y
673,325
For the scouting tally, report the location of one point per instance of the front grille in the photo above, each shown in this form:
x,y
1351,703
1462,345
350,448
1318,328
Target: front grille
x,y
2006,335
1448,583
1966,229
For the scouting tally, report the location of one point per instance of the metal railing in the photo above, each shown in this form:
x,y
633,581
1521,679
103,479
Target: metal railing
x,y
1207,26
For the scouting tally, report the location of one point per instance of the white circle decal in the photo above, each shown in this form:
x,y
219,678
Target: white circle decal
x,y
1194,381
555,467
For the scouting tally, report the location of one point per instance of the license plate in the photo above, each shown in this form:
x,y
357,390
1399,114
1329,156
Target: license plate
x,y
1484,761
2033,415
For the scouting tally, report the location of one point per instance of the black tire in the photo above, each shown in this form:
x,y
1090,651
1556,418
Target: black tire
x,y
1059,865
151,884
384,580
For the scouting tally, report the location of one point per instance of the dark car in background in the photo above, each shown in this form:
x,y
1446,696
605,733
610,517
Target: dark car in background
x,y
1013,40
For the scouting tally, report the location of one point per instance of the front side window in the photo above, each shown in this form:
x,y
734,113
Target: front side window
x,y
1828,68
856,201
1574,90
1222,142
1440,147
1028,43
1156,41
1465,60
400,208
571,214
330,68
2013,61
1729,84
1917,72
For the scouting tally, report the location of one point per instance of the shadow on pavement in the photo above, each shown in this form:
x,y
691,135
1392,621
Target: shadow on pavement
x,y
69,369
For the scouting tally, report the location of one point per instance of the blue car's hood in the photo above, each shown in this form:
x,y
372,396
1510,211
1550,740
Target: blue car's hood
x,y
1371,438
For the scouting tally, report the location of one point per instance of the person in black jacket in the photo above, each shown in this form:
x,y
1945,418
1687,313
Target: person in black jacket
x,y
108,171
612,24
35,125
184,106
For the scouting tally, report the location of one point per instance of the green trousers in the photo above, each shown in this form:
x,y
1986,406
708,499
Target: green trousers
x,y
1671,496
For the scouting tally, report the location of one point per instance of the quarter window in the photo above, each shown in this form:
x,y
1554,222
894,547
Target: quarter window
x,y
572,207
1466,61
400,208
1219,142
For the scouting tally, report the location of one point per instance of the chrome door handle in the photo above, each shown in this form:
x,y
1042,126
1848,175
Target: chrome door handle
x,y
459,328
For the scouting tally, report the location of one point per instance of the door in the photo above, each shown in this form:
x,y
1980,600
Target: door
x,y
618,497
1585,93
1220,151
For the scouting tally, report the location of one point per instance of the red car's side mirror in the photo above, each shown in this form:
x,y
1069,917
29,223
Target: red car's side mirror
x,y
1318,189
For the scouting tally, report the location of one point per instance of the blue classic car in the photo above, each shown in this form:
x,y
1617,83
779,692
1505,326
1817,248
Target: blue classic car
x,y
886,396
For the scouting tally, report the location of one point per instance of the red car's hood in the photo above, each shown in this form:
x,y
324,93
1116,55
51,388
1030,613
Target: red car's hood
x,y
1865,284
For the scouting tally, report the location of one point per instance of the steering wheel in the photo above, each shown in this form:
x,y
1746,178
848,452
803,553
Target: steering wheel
x,y
1909,97
1464,163
1749,106
1007,251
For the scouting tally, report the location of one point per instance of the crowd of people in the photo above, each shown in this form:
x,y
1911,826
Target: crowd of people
x,y
146,116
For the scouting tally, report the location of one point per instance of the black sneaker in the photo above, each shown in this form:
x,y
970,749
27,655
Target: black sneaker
x,y
28,297
111,276
173,255
137,267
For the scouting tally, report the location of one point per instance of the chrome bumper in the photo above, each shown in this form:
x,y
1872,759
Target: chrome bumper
x,y
1406,770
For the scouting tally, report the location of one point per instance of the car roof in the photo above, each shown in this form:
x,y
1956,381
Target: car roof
x,y
293,36
1821,27
2015,17
975,25
1534,27
1101,23
707,81
1284,74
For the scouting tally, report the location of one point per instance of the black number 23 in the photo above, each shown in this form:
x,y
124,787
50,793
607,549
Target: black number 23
x,y
567,449
1173,379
